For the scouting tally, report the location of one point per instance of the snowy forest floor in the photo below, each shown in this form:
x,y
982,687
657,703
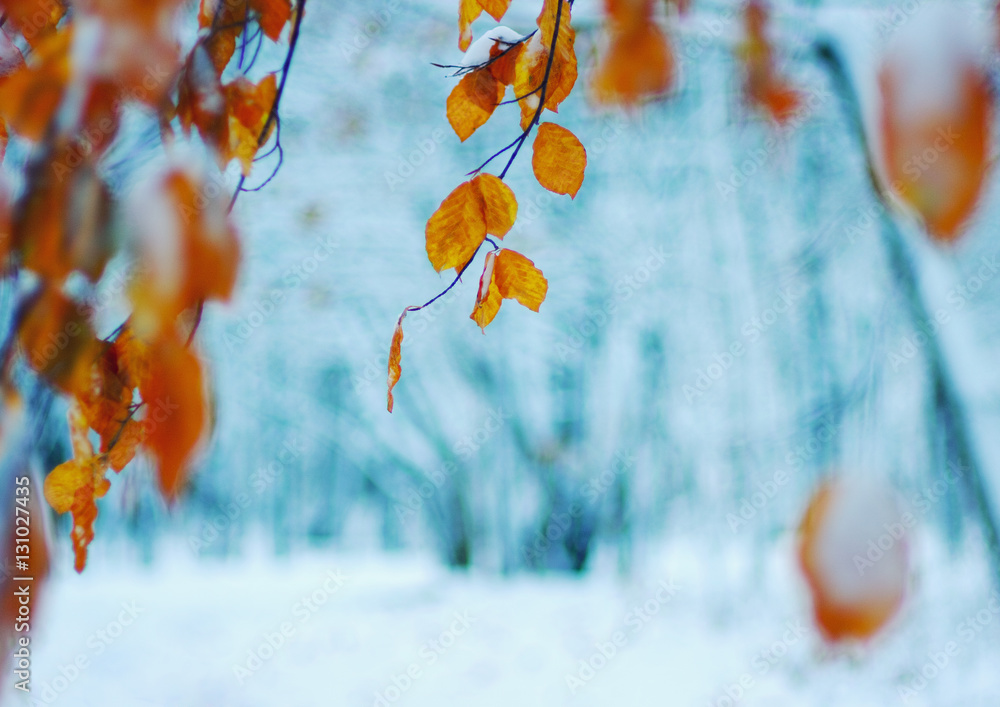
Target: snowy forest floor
x,y
701,626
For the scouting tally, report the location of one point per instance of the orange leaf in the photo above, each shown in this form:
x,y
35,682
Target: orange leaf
x,y
229,16
34,19
74,486
395,353
472,102
251,103
457,228
58,341
496,8
79,432
176,410
499,203
638,62
132,434
189,255
63,220
936,160
273,16
30,96
562,76
558,159
762,85
504,68
843,516
201,102
132,356
468,11
105,404
488,298
517,278
249,106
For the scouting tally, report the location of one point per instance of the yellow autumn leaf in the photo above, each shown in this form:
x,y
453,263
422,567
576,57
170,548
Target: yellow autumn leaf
x,y
495,8
395,354
457,228
499,204
468,11
472,102
488,298
558,159
516,277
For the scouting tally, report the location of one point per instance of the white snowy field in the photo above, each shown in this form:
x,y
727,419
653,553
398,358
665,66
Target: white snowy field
x,y
702,626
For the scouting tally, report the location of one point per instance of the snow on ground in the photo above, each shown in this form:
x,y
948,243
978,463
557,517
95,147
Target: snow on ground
x,y
350,630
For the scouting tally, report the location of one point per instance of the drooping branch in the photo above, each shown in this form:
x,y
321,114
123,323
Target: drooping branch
x,y
542,89
949,402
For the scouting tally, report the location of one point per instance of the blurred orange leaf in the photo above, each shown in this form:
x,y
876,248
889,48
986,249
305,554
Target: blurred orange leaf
x,y
175,410
35,20
762,86
30,96
58,341
224,19
63,220
937,161
74,486
638,63
273,15
186,259
249,106
844,518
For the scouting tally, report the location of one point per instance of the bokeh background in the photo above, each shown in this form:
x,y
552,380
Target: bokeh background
x,y
606,466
